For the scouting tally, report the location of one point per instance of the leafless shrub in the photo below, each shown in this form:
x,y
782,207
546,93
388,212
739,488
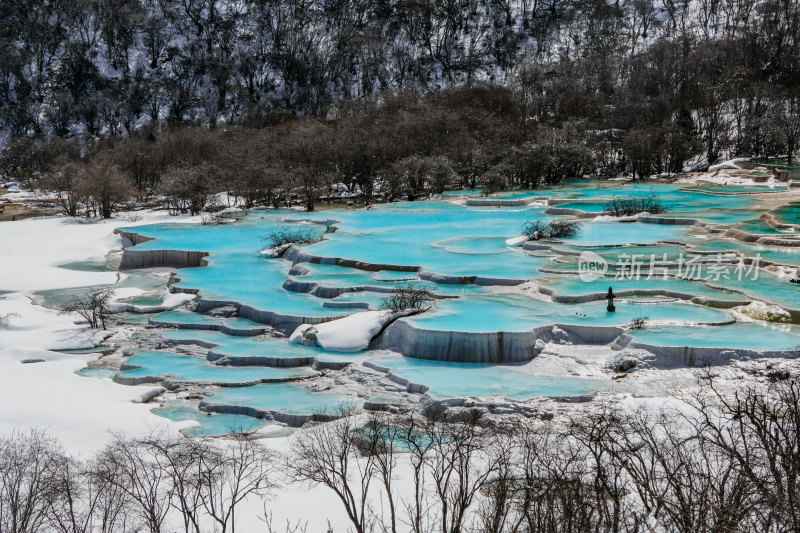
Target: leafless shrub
x,y
290,235
5,319
638,322
216,219
91,306
535,229
563,228
409,298
289,527
555,229
620,207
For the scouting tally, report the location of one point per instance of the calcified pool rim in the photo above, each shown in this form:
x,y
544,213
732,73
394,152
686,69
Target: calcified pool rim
x,y
416,341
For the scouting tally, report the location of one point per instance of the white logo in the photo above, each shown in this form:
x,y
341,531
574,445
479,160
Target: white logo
x,y
591,266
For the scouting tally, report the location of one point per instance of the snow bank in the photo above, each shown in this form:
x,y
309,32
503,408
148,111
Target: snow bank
x,y
731,164
609,218
516,241
32,250
39,387
352,333
169,301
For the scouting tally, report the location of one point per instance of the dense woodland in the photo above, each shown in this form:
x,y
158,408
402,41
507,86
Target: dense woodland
x,y
276,101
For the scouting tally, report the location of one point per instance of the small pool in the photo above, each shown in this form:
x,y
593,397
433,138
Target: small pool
x,y
188,368
469,379
760,226
743,335
512,312
290,398
209,424
616,233
789,213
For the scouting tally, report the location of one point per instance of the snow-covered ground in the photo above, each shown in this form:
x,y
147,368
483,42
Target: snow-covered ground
x,y
39,387
47,393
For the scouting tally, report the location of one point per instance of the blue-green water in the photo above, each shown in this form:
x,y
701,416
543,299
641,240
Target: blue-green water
x,y
209,424
512,312
291,398
747,335
188,368
469,379
402,242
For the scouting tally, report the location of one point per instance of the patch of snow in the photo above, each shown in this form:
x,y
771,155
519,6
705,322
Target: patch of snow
x,y
352,333
730,164
32,250
169,301
609,218
49,394
517,241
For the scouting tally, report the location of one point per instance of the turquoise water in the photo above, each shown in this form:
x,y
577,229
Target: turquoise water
x,y
464,243
291,398
788,214
735,189
760,226
511,312
468,379
189,368
100,372
747,335
189,318
615,233
59,298
399,235
573,285
181,316
210,424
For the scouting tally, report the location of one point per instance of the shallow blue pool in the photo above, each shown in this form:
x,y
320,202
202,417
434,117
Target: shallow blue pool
x,y
745,335
468,379
511,312
405,242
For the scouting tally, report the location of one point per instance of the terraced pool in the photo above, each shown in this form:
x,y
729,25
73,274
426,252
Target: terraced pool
x,y
485,286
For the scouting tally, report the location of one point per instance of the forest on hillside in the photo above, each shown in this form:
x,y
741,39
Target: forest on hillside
x,y
276,101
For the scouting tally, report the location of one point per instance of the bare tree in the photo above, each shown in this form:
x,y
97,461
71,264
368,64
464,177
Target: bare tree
x,y
229,475
27,465
413,437
681,480
757,428
91,306
325,454
140,471
460,464
183,463
378,439
83,503
409,298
